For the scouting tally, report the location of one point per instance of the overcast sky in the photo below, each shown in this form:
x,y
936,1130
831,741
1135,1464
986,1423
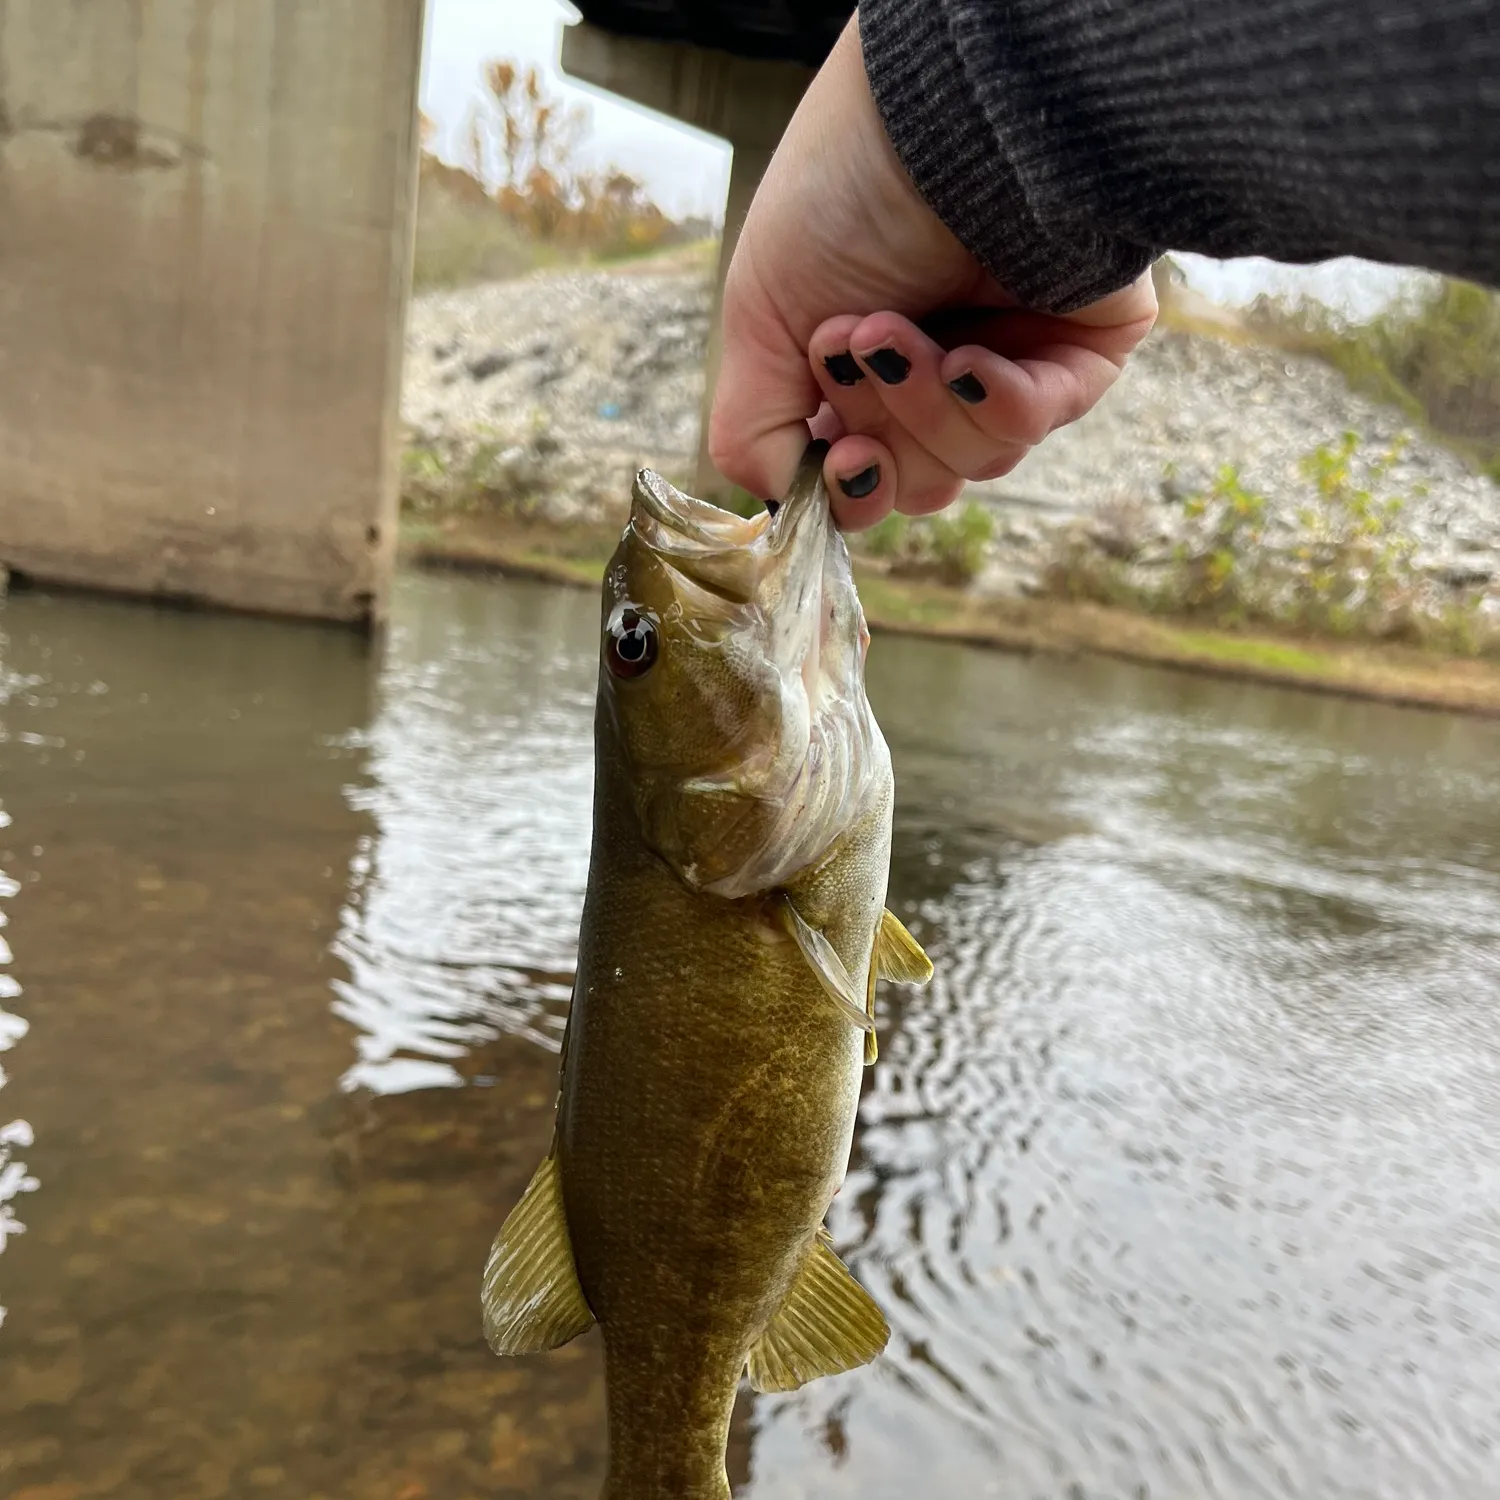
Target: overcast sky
x,y
687,171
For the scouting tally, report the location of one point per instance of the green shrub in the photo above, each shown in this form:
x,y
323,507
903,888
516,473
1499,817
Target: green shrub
x,y
1349,571
959,540
950,547
1217,561
494,475
1433,354
886,538
1357,571
1080,571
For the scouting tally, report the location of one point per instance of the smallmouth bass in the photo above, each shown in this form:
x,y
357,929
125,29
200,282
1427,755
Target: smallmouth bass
x,y
733,930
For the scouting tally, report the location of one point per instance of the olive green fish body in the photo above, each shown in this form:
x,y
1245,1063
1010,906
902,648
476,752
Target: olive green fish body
x,y
733,928
704,1128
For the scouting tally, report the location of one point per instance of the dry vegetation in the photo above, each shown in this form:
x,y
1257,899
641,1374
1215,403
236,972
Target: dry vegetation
x,y
517,198
1350,571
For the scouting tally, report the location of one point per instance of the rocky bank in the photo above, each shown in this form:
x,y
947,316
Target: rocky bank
x,y
553,388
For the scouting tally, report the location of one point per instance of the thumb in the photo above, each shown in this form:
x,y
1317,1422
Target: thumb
x,y
765,395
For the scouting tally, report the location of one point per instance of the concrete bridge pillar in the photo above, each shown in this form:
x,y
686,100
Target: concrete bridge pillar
x,y
747,101
206,218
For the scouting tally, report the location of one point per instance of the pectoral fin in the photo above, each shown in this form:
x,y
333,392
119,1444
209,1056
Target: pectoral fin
x,y
898,955
828,1324
531,1297
826,964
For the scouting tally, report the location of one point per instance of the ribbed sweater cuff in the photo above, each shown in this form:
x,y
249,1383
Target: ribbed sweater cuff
x,y
978,164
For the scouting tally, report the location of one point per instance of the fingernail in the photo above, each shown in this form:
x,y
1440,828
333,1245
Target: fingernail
x,y
890,365
968,387
844,368
857,486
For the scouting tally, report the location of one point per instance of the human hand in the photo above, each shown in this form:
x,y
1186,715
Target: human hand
x,y
849,307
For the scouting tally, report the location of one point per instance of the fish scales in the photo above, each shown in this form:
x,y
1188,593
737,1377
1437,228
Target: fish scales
x,y
733,927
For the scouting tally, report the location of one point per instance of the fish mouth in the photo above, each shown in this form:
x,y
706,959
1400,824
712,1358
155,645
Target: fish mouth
x,y
730,555
687,521
703,546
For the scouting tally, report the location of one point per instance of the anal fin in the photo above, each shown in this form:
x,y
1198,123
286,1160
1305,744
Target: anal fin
x,y
531,1297
828,1324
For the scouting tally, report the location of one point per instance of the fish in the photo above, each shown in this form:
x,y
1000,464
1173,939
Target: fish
x,y
733,929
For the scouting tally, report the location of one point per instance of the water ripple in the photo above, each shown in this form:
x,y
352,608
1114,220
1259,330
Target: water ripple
x,y
463,922
1178,1179
17,1135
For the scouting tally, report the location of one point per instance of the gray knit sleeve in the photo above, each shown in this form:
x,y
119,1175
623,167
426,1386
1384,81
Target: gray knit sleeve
x,y
1067,143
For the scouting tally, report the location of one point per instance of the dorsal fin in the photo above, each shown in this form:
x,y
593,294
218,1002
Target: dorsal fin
x,y
827,1324
531,1297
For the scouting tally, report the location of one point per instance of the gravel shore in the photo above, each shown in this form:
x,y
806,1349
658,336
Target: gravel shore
x,y
561,384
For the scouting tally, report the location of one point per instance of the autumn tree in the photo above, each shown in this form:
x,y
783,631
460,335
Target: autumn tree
x,y
525,142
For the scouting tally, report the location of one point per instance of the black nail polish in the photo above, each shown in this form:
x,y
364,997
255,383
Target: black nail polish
x,y
968,387
857,486
843,368
890,365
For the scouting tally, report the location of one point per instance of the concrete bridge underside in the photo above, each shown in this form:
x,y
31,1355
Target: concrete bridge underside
x,y
206,218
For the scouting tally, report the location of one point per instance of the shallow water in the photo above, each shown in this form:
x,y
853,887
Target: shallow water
x,y
1179,1181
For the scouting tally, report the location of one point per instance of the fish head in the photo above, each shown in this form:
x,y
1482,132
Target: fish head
x,y
731,685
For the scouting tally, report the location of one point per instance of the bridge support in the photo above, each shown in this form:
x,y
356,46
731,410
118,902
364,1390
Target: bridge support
x,y
745,100
206,217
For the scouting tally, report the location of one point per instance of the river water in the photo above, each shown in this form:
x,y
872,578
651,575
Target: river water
x,y
1182,1179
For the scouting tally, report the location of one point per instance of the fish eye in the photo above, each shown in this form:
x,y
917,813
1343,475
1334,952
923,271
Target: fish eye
x,y
632,644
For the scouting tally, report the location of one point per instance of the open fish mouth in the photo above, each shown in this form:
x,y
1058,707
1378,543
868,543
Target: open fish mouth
x,y
713,549
735,556
684,520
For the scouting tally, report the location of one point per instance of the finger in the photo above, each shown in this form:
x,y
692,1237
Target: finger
x,y
1020,401
1123,318
1113,326
862,480
905,372
765,392
845,386
858,472
922,481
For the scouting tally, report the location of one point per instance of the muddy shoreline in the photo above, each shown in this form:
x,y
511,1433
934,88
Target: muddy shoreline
x,y
1400,675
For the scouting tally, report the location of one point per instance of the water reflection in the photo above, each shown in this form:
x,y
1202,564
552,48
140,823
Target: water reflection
x,y
1176,1182
480,784
17,1135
